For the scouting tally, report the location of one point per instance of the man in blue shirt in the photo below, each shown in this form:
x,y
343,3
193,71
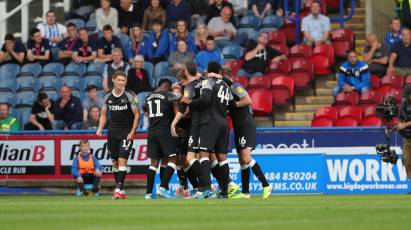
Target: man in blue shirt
x,y
86,169
209,54
394,35
354,75
178,10
400,58
155,48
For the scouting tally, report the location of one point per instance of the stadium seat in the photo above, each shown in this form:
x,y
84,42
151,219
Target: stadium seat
x,y
251,32
49,81
353,111
332,6
375,81
54,54
91,25
300,51
9,71
277,37
8,85
232,52
76,21
323,59
302,71
370,97
280,68
95,69
248,21
260,82
148,66
74,82
326,112
371,121
369,111
93,80
389,82
262,103
283,49
161,69
77,93
342,41
23,114
347,98
31,69
8,97
52,94
25,98
234,65
321,122
57,69
269,21
289,30
282,89
242,80
125,42
396,93
27,83
74,68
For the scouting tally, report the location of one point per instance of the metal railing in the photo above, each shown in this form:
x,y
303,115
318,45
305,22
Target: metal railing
x,y
342,19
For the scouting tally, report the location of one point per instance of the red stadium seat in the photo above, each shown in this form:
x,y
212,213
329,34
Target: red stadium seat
x,y
347,98
328,112
323,59
277,37
242,80
261,82
302,71
332,6
321,122
282,67
302,50
391,82
369,111
235,65
349,116
282,90
283,49
370,97
371,121
375,81
346,122
262,102
396,93
342,41
289,30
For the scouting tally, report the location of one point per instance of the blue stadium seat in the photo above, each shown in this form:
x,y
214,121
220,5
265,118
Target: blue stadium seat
x,y
77,93
8,71
73,81
27,83
54,68
8,85
232,52
267,30
171,78
53,94
91,24
95,68
94,80
25,98
101,93
49,81
8,97
77,21
54,52
161,69
30,69
125,43
74,68
271,21
252,33
23,115
148,66
249,21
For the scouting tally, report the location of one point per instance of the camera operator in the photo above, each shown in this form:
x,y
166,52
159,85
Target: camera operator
x,y
404,127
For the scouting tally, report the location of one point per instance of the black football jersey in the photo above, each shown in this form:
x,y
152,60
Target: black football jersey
x,y
215,112
192,90
241,116
120,111
159,106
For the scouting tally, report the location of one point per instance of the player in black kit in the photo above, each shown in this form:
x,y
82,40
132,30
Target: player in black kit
x,y
159,108
244,136
122,108
215,97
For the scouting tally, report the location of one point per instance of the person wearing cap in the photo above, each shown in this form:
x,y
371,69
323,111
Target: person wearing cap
x,y
7,122
137,78
91,100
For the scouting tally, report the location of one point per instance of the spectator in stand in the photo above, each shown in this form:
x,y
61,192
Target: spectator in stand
x,y
179,58
106,44
401,55
153,12
214,10
264,8
92,100
136,40
7,122
86,169
240,7
211,53
137,77
224,31
41,116
316,27
129,14
38,48
81,9
107,15
93,118
117,65
68,112
394,35
354,75
86,51
156,47
53,31
199,11
69,44
12,51
258,56
200,37
178,10
376,55
182,33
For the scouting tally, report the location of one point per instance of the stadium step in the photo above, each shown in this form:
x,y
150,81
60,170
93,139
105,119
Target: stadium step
x,y
292,123
309,107
320,100
263,122
298,116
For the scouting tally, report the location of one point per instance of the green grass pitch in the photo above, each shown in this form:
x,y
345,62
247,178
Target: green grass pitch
x,y
278,212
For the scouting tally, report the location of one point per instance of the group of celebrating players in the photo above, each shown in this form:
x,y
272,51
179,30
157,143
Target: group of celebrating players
x,y
188,132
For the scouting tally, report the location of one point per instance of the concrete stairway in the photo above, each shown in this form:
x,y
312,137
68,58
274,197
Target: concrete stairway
x,y
306,103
